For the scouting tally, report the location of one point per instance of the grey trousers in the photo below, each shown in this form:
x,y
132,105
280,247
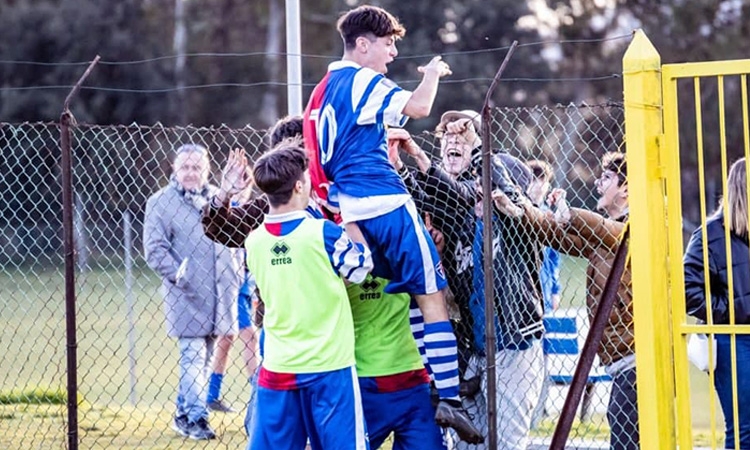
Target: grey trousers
x,y
520,375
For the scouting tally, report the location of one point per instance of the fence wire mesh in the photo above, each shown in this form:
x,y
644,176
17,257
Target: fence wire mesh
x,y
128,366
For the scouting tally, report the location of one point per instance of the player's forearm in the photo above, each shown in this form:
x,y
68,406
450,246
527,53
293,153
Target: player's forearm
x,y
420,103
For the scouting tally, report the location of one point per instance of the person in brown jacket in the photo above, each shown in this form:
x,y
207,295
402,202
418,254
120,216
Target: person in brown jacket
x,y
586,234
229,225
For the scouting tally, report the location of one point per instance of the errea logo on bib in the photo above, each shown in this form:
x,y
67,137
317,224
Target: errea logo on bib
x,y
371,288
280,251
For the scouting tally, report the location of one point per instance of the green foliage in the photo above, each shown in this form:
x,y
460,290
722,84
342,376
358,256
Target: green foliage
x,y
78,30
34,396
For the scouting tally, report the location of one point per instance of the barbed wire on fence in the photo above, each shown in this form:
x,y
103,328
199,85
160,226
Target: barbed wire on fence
x,y
304,55
284,84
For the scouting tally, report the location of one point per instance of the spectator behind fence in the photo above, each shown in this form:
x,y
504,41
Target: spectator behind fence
x,y
307,384
539,187
549,276
448,191
247,334
451,193
518,317
586,234
345,134
696,297
200,282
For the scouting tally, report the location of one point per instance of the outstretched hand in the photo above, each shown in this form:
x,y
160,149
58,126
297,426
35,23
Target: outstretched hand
x,y
556,200
323,203
401,138
437,66
398,138
236,175
505,205
465,128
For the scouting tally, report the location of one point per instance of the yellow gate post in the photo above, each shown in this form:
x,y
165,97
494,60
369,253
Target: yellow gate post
x,y
646,192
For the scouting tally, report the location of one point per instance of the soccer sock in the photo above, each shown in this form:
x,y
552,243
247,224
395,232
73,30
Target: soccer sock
x,y
416,321
442,354
214,387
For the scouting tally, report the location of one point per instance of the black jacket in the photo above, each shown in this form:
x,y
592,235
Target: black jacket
x,y
517,256
518,300
450,202
695,288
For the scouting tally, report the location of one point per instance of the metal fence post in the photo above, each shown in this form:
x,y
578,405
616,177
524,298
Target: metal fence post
x,y
643,129
66,121
127,227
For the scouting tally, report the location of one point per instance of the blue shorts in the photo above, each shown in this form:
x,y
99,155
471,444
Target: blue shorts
x,y
244,311
324,407
407,413
245,303
252,404
403,252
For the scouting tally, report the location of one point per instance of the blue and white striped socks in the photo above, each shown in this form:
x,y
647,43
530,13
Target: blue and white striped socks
x,y
442,354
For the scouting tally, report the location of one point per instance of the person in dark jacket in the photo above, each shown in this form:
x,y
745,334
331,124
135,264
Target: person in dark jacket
x,y
518,317
447,191
450,189
586,234
708,243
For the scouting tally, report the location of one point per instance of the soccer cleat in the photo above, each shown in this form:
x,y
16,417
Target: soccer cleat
x,y
451,414
200,430
180,425
220,406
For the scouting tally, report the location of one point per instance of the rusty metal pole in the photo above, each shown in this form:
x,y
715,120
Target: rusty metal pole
x,y
593,340
66,121
489,285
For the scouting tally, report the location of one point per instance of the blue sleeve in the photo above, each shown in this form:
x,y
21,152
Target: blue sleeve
x,y
349,259
553,256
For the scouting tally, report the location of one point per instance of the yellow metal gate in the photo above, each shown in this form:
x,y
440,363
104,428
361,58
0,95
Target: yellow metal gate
x,y
664,103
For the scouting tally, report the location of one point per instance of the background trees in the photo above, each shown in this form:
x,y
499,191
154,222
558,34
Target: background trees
x,y
571,54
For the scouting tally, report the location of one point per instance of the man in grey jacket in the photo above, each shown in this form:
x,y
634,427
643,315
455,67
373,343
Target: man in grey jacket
x,y
200,281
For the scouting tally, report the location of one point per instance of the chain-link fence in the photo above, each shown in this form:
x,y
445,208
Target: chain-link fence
x,y
128,366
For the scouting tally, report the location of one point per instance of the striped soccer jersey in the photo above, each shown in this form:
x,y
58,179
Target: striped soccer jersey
x,y
345,131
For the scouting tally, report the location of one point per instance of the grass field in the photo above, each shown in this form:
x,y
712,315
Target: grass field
x,y
34,358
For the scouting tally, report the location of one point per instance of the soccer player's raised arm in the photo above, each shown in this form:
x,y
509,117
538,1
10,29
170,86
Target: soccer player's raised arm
x,y
420,103
352,260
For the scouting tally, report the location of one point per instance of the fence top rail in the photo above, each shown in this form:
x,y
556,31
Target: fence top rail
x,y
706,69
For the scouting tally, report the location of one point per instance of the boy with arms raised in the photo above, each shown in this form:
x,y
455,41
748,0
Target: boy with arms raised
x,y
307,386
345,136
